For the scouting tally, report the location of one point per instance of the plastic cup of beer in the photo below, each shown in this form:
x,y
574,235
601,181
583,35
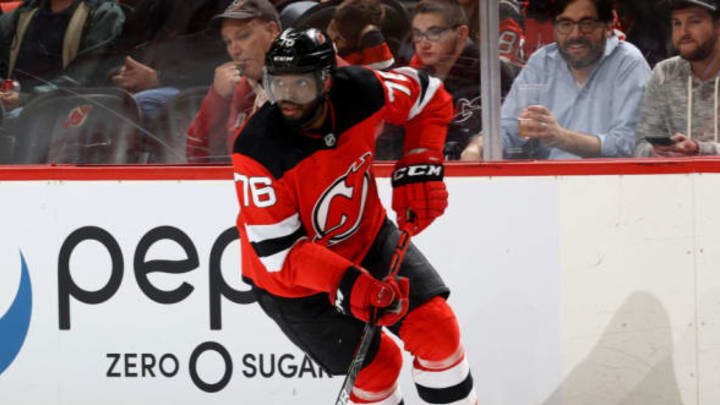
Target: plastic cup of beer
x,y
528,94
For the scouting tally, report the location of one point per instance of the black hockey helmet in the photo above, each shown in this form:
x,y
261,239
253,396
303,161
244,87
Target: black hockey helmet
x,y
301,51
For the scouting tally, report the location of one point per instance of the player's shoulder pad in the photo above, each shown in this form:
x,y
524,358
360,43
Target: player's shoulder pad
x,y
261,139
357,93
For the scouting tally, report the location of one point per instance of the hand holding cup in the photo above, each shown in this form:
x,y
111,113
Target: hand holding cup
x,y
529,94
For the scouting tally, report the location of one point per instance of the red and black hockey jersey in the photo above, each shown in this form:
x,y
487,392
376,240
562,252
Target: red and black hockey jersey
x,y
512,33
308,202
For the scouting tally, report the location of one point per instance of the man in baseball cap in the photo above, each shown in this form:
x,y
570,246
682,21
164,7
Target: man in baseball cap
x,y
678,115
246,9
709,4
243,17
248,28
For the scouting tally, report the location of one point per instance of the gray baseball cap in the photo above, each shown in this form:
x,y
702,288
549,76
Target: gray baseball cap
x,y
708,4
246,9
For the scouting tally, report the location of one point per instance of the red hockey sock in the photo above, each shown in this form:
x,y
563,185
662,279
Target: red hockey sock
x,y
377,382
440,369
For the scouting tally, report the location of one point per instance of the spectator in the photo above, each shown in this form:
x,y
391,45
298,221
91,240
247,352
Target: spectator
x,y
538,25
48,43
442,48
685,86
151,59
248,27
512,35
358,40
593,86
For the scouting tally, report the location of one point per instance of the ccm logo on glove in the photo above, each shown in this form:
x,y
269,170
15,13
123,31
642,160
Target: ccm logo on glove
x,y
417,173
419,193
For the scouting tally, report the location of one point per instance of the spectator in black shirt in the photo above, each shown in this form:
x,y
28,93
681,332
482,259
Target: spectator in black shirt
x,y
48,43
41,54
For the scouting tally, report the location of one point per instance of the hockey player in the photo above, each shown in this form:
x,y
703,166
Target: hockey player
x,y
315,239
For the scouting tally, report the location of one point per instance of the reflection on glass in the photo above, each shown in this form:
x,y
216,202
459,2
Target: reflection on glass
x,y
194,73
78,63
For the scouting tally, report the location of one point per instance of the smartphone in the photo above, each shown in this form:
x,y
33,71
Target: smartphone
x,y
660,140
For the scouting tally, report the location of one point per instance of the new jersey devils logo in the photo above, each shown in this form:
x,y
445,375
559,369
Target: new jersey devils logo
x,y
338,211
77,117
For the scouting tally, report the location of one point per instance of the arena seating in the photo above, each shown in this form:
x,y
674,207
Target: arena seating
x,y
81,126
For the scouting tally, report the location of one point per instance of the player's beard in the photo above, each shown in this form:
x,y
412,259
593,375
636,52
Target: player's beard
x,y
595,52
310,112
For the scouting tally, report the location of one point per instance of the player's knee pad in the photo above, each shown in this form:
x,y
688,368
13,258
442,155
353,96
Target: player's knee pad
x,y
431,332
376,383
440,369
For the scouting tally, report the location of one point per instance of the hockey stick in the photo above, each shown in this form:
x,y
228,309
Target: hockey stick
x,y
371,328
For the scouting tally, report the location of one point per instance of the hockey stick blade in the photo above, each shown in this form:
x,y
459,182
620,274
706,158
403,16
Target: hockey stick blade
x,y
371,329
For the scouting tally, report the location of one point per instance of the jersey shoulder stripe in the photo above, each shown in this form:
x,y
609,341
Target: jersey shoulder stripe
x,y
428,87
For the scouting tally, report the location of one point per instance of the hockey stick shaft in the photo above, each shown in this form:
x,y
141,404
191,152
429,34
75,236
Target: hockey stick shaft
x,y
371,328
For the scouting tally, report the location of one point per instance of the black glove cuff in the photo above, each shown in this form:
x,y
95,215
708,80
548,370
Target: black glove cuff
x,y
344,289
417,173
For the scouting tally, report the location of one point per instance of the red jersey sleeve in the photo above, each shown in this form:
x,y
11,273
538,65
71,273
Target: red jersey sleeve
x,y
420,103
276,252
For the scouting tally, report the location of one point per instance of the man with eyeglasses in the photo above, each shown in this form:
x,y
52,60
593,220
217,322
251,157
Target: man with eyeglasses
x,y
593,84
440,35
679,114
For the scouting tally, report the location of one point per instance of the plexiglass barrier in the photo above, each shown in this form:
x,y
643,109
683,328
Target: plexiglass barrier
x,y
161,81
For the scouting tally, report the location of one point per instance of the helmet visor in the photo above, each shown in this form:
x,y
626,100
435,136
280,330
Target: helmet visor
x,y
300,88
